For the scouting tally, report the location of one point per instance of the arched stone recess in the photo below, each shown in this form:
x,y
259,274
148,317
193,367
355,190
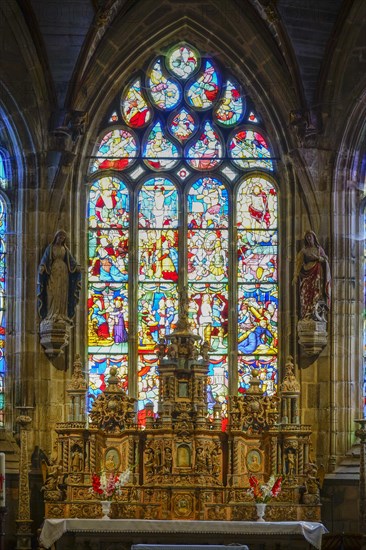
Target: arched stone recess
x,y
348,198
16,140
341,99
25,107
255,62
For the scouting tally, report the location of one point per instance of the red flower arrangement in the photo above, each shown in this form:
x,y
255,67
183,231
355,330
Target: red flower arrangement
x,y
105,486
266,491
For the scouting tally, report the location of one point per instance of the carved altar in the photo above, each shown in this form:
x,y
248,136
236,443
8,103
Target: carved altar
x,y
185,467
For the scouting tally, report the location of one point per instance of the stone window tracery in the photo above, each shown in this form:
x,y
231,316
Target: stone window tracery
x,y
182,194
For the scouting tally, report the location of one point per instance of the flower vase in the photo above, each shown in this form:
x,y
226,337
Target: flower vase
x,y
261,510
106,507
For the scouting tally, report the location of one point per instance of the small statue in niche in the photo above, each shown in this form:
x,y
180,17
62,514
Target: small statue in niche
x,y
168,460
173,349
215,458
157,460
289,383
161,348
59,281
149,464
291,462
312,273
77,459
201,461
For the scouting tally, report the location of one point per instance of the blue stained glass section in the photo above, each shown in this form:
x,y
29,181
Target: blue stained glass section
x,y
2,306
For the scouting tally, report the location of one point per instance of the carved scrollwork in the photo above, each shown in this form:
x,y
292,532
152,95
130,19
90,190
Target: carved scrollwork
x,y
55,511
253,412
113,411
243,513
85,510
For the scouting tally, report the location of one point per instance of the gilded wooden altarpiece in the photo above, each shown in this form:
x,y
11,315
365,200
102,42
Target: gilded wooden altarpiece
x,y
184,466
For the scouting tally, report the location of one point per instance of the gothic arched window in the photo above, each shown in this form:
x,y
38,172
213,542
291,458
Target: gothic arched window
x,y
182,194
3,184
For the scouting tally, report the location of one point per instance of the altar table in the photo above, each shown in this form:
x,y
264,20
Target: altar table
x,y
266,535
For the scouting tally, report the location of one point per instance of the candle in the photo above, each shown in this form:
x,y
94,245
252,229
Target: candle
x,y
2,480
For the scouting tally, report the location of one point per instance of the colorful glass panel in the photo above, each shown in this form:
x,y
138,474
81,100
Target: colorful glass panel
x,y
135,109
257,256
159,152
183,61
268,375
364,323
252,117
249,149
206,152
148,385
108,321
157,313
207,255
108,318
208,313
203,92
157,305
108,255
113,117
108,204
99,367
257,252
217,382
231,108
2,308
3,176
158,255
165,93
208,204
257,319
257,204
116,151
182,126
158,200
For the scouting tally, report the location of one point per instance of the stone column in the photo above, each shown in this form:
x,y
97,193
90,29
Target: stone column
x,y
361,433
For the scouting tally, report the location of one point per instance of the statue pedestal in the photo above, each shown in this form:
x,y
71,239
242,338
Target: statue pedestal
x,y
54,335
313,336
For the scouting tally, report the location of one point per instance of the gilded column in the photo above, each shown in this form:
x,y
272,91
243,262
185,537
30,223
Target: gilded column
x,y
23,523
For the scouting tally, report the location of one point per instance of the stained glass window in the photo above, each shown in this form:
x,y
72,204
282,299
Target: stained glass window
x,y
182,191
2,307
3,174
364,324
257,281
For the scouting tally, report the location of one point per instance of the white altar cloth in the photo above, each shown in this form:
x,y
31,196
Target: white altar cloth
x,y
53,529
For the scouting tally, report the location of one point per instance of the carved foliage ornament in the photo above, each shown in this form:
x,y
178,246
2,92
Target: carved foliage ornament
x,y
112,412
253,412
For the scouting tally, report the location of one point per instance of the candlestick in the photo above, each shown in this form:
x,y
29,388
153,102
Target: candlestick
x,y
2,479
